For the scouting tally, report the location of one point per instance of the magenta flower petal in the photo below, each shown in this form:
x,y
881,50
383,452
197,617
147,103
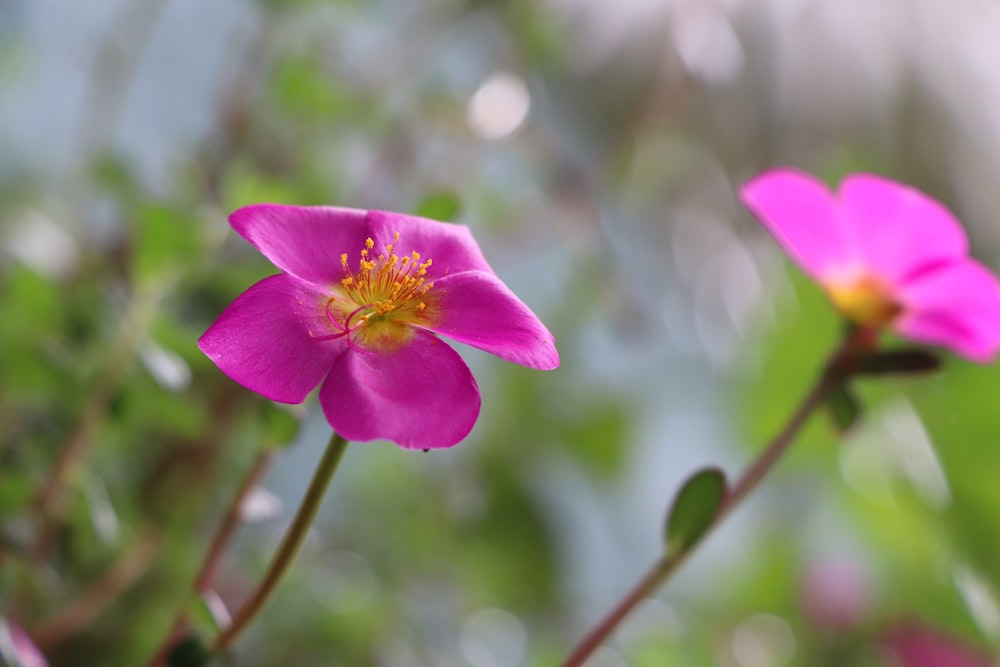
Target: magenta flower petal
x,y
956,305
479,310
801,214
266,339
451,247
421,396
916,645
887,255
897,228
24,651
304,241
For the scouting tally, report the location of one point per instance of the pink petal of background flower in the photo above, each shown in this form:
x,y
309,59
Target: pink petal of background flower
x,y
801,214
896,228
893,236
957,305
916,645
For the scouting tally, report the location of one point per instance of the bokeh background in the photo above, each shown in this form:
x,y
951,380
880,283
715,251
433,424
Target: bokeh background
x,y
595,148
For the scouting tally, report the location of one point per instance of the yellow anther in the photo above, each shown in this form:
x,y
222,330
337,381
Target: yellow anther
x,y
386,285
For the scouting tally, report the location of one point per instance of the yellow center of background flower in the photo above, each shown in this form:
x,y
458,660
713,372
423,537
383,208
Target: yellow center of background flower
x,y
866,301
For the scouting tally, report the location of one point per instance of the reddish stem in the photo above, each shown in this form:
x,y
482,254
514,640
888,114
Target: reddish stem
x,y
839,367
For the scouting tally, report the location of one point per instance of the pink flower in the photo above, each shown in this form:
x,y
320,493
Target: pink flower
x,y
916,645
834,595
23,650
356,306
887,255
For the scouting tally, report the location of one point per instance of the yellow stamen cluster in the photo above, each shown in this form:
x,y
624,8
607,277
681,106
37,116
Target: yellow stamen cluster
x,y
386,283
865,300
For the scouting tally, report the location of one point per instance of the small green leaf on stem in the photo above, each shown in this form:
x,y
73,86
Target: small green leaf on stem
x,y
694,509
845,409
905,361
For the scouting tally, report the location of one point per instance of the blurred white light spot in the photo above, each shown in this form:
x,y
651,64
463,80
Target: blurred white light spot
x,y
980,600
499,106
914,454
834,594
40,243
695,239
493,638
707,44
217,608
260,505
652,618
102,512
168,369
864,463
763,640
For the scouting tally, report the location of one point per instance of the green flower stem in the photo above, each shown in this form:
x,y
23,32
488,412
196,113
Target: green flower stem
x,y
840,366
290,544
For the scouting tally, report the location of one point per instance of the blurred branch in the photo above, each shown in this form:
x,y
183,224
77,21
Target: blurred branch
x,y
842,364
81,613
230,522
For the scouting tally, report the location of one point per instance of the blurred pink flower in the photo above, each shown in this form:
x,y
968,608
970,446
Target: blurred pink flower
x,y
887,255
915,645
15,640
834,594
358,301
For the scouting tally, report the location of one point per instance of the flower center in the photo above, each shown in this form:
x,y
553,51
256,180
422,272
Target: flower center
x,y
387,285
380,297
866,300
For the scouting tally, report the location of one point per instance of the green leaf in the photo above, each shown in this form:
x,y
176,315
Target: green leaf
x,y
166,239
905,361
694,509
439,205
844,407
